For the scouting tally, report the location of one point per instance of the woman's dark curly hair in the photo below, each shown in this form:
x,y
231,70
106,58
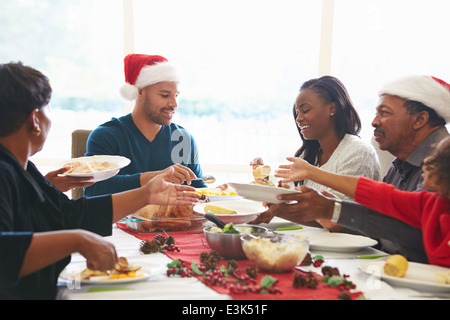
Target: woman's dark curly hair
x,y
438,164
22,89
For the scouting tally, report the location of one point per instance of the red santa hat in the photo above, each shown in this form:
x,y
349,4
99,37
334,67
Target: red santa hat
x,y
431,91
143,70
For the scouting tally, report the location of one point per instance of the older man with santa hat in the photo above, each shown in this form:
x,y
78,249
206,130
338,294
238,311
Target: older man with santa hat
x,y
147,135
410,119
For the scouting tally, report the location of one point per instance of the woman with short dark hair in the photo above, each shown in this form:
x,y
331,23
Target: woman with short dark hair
x,y
40,227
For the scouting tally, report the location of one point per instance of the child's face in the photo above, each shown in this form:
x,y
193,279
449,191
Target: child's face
x,y
429,180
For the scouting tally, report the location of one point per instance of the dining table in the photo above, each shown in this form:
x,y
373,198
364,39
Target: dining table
x,y
159,285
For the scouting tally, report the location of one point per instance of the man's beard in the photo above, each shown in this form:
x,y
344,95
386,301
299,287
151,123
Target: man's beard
x,y
156,116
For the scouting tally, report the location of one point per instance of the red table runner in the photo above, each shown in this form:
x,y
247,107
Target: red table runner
x,y
193,243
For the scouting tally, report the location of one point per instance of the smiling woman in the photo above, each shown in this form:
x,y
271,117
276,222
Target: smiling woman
x,y
324,114
328,125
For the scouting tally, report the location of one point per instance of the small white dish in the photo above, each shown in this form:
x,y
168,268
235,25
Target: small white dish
x,y
73,275
338,242
256,192
418,276
247,211
116,162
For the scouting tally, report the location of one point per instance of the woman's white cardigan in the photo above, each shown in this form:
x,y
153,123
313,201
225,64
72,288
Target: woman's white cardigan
x,y
352,157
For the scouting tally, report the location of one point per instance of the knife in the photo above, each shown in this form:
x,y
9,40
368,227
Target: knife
x,y
371,256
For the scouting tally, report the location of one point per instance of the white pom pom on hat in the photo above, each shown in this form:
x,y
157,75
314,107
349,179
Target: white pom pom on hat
x,y
129,92
431,91
143,70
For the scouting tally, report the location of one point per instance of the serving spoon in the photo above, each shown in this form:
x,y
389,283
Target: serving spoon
x,y
213,218
207,179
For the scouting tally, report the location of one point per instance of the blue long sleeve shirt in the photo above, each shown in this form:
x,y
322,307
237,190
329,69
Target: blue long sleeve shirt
x,y
120,136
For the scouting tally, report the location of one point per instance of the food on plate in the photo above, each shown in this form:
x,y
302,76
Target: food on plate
x,y
218,210
261,175
275,253
207,192
122,270
396,266
443,277
167,218
261,172
83,166
283,185
123,266
87,273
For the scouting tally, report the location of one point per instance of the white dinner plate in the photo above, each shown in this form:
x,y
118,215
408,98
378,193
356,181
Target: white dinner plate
x,y
338,242
72,275
418,276
246,210
217,194
117,162
256,192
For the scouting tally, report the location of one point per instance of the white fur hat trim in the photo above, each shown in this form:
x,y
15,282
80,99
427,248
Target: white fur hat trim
x,y
424,89
150,74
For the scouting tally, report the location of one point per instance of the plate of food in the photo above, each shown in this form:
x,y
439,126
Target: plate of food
x,y
99,167
122,273
263,193
236,212
216,194
338,242
417,276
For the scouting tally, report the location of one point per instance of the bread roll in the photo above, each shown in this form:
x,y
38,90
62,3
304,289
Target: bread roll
x,y
396,266
261,172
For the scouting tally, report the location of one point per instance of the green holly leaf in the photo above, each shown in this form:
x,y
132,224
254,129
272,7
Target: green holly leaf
x,y
174,263
267,282
335,281
195,269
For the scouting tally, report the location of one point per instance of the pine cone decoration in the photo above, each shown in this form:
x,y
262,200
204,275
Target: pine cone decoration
x,y
210,260
149,246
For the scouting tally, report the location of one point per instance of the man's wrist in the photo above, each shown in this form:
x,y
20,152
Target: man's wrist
x,y
336,210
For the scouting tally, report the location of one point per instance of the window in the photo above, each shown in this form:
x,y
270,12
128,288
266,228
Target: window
x,y
242,64
379,41
78,44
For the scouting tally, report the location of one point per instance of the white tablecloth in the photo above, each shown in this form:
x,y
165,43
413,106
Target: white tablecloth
x,y
160,287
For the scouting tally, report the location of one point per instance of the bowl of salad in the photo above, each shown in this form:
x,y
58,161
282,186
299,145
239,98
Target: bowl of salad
x,y
227,240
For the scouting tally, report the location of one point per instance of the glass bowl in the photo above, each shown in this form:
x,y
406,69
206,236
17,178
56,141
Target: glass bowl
x,y
141,225
275,252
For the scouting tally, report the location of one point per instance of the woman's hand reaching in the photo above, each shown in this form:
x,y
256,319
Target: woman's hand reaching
x,y
298,170
162,192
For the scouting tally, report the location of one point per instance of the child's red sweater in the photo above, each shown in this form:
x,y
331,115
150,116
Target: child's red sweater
x,y
425,210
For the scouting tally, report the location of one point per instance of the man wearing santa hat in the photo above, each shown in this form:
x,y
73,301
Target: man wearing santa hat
x,y
410,119
147,135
